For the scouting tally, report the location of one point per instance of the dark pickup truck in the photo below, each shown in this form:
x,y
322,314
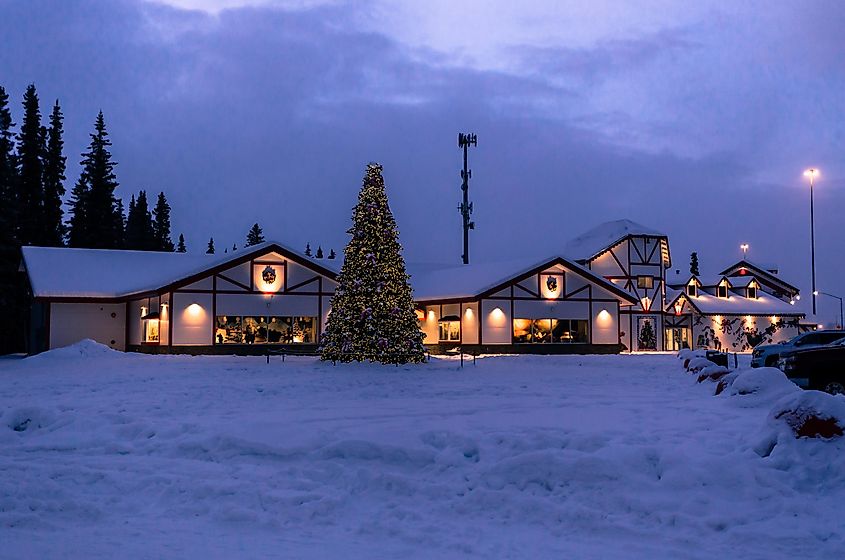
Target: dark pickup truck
x,y
821,367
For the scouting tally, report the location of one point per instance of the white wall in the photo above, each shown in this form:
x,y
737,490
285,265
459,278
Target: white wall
x,y
469,324
605,323
730,341
103,322
192,319
496,320
261,305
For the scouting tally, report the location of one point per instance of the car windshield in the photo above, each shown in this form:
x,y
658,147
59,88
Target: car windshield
x,y
793,340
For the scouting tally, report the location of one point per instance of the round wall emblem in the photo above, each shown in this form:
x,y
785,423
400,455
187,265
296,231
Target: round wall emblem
x,y
551,283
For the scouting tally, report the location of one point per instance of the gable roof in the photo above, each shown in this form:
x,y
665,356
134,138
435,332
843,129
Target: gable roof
x,y
63,272
433,282
604,236
762,274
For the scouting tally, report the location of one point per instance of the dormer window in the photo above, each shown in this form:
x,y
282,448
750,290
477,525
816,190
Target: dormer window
x,y
722,291
692,290
752,292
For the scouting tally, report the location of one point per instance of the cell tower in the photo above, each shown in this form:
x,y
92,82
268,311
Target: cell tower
x,y
465,141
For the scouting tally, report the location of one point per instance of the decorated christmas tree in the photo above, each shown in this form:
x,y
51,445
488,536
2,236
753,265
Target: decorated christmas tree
x,y
372,316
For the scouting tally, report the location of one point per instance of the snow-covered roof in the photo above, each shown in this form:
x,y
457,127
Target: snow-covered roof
x,y
63,272
440,282
741,281
762,272
596,240
764,304
710,281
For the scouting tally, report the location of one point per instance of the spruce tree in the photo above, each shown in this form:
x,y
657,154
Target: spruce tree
x,y
693,264
119,225
307,249
210,249
8,175
30,174
180,248
54,176
372,311
332,254
100,208
255,236
319,253
161,226
140,235
78,224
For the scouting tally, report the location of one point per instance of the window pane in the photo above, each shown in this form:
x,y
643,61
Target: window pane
x,y
454,330
560,330
279,330
521,330
579,331
151,330
255,330
303,329
542,330
228,330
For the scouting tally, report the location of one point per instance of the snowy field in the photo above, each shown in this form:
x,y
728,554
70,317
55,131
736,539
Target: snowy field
x,y
106,455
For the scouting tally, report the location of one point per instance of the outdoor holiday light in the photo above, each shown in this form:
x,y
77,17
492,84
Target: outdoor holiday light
x,y
744,248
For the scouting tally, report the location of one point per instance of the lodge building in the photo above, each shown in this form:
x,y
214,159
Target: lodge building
x,y
606,292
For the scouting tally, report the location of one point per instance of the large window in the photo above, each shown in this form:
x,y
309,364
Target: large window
x,y
232,329
646,282
555,331
450,328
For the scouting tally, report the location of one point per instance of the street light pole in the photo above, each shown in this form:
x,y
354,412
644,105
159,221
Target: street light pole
x,y
811,173
841,315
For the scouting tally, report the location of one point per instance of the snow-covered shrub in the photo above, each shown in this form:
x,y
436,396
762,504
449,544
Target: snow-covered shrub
x,y
761,385
724,382
698,363
712,372
811,414
86,348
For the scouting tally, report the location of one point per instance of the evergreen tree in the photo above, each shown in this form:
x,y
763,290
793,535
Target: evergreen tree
x,y
13,298
140,234
255,236
372,312
78,225
54,176
210,249
8,175
30,174
119,225
332,254
307,249
180,248
234,247
100,206
161,226
693,263
319,253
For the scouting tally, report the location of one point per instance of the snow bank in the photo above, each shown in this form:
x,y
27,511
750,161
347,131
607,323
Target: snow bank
x,y
712,372
697,364
809,414
83,349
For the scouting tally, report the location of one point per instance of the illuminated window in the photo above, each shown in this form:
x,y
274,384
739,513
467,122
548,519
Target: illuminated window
x,y
151,325
450,328
646,282
555,331
231,329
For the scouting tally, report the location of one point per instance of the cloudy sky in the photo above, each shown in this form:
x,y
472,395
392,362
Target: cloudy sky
x,y
695,118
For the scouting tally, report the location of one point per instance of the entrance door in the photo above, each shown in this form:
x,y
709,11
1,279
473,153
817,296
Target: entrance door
x,y
677,338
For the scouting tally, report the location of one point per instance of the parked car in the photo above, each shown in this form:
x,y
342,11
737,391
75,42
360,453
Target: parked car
x,y
820,367
769,354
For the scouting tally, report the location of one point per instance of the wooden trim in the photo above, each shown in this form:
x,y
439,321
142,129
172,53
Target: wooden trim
x,y
171,316
235,282
47,323
319,333
618,262
654,250
633,244
214,309
572,293
126,326
305,283
526,290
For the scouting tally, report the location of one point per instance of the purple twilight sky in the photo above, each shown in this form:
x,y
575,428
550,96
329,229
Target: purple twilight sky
x,y
696,119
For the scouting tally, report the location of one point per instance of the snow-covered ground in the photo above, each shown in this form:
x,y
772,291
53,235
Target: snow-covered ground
x,y
130,456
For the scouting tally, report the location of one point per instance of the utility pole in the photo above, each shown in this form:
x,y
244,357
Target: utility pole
x,y
811,173
465,141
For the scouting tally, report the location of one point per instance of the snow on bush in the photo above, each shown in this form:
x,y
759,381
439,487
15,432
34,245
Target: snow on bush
x,y
686,355
812,414
712,372
761,385
697,364
725,382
